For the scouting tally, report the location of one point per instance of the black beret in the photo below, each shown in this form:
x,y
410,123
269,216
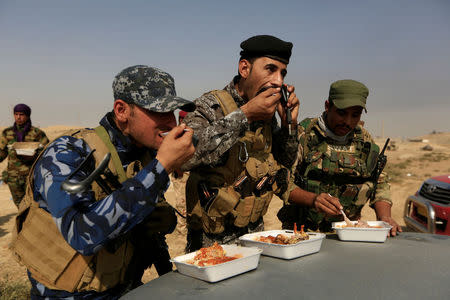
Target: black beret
x,y
266,45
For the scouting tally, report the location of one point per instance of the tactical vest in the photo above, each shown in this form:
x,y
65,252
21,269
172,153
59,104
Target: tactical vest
x,y
343,171
38,244
242,188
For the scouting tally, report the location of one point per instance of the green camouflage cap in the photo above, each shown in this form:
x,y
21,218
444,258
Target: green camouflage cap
x,y
348,93
149,88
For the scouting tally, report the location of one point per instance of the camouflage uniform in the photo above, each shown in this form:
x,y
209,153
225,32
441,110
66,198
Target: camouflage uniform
x,y
217,134
18,166
134,211
342,169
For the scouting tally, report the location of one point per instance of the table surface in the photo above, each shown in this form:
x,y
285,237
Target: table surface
x,y
409,266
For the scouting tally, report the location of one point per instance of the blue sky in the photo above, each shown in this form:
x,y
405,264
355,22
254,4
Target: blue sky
x,y
60,57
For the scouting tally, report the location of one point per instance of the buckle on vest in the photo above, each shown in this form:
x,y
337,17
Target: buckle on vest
x,y
243,146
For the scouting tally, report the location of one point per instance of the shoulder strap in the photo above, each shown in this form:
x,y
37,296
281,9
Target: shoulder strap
x,y
225,100
104,136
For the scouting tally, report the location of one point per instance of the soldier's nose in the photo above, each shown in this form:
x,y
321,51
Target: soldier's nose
x,y
277,79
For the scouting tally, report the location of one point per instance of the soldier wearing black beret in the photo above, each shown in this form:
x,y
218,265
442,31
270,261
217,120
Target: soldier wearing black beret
x,y
239,153
268,46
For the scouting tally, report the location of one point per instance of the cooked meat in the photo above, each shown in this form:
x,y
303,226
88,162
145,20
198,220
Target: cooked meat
x,y
284,239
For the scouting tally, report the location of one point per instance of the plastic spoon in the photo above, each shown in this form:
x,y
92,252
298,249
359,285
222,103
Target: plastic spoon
x,y
347,220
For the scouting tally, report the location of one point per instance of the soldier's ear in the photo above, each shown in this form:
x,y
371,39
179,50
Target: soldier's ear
x,y
327,105
244,68
122,111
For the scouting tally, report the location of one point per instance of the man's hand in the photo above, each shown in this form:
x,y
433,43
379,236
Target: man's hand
x,y
293,104
395,227
327,204
383,212
263,106
176,149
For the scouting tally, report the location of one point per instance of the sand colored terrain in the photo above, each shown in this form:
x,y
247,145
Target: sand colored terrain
x,y
409,165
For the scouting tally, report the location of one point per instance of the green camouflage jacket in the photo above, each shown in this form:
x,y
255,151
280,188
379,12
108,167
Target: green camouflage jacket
x,y
18,165
344,171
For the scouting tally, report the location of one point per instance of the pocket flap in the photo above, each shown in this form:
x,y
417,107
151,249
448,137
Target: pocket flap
x,y
223,203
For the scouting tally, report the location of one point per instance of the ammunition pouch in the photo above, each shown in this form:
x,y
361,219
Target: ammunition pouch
x,y
223,203
244,211
251,208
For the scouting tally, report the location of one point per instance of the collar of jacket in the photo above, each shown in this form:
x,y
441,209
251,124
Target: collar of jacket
x,y
230,88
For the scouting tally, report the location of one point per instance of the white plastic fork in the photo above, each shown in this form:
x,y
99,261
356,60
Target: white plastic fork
x,y
347,220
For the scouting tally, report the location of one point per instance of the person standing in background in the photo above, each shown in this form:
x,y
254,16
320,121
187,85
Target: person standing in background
x,y
19,165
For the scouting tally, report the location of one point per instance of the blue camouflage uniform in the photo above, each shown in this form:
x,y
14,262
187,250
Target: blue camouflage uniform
x,y
86,224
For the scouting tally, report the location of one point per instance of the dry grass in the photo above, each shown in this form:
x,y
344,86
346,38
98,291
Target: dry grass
x,y
14,289
435,157
397,170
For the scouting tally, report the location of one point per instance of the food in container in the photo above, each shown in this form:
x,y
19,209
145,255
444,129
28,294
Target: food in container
x,y
376,232
211,256
359,224
245,259
303,246
284,239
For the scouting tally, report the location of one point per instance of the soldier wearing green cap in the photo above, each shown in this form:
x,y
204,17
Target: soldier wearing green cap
x,y
335,166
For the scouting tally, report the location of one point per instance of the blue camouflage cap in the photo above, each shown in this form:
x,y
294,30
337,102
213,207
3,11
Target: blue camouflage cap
x,y
149,88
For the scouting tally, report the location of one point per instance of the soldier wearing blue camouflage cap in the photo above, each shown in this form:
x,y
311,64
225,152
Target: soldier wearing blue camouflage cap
x,y
336,166
237,163
95,217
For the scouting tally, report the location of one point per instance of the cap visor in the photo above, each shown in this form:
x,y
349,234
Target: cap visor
x,y
170,103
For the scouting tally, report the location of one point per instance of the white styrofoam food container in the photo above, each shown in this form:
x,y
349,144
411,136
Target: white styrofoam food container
x,y
26,148
248,261
358,234
26,152
312,245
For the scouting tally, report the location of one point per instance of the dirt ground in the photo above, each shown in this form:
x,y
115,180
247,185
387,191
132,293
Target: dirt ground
x,y
408,165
